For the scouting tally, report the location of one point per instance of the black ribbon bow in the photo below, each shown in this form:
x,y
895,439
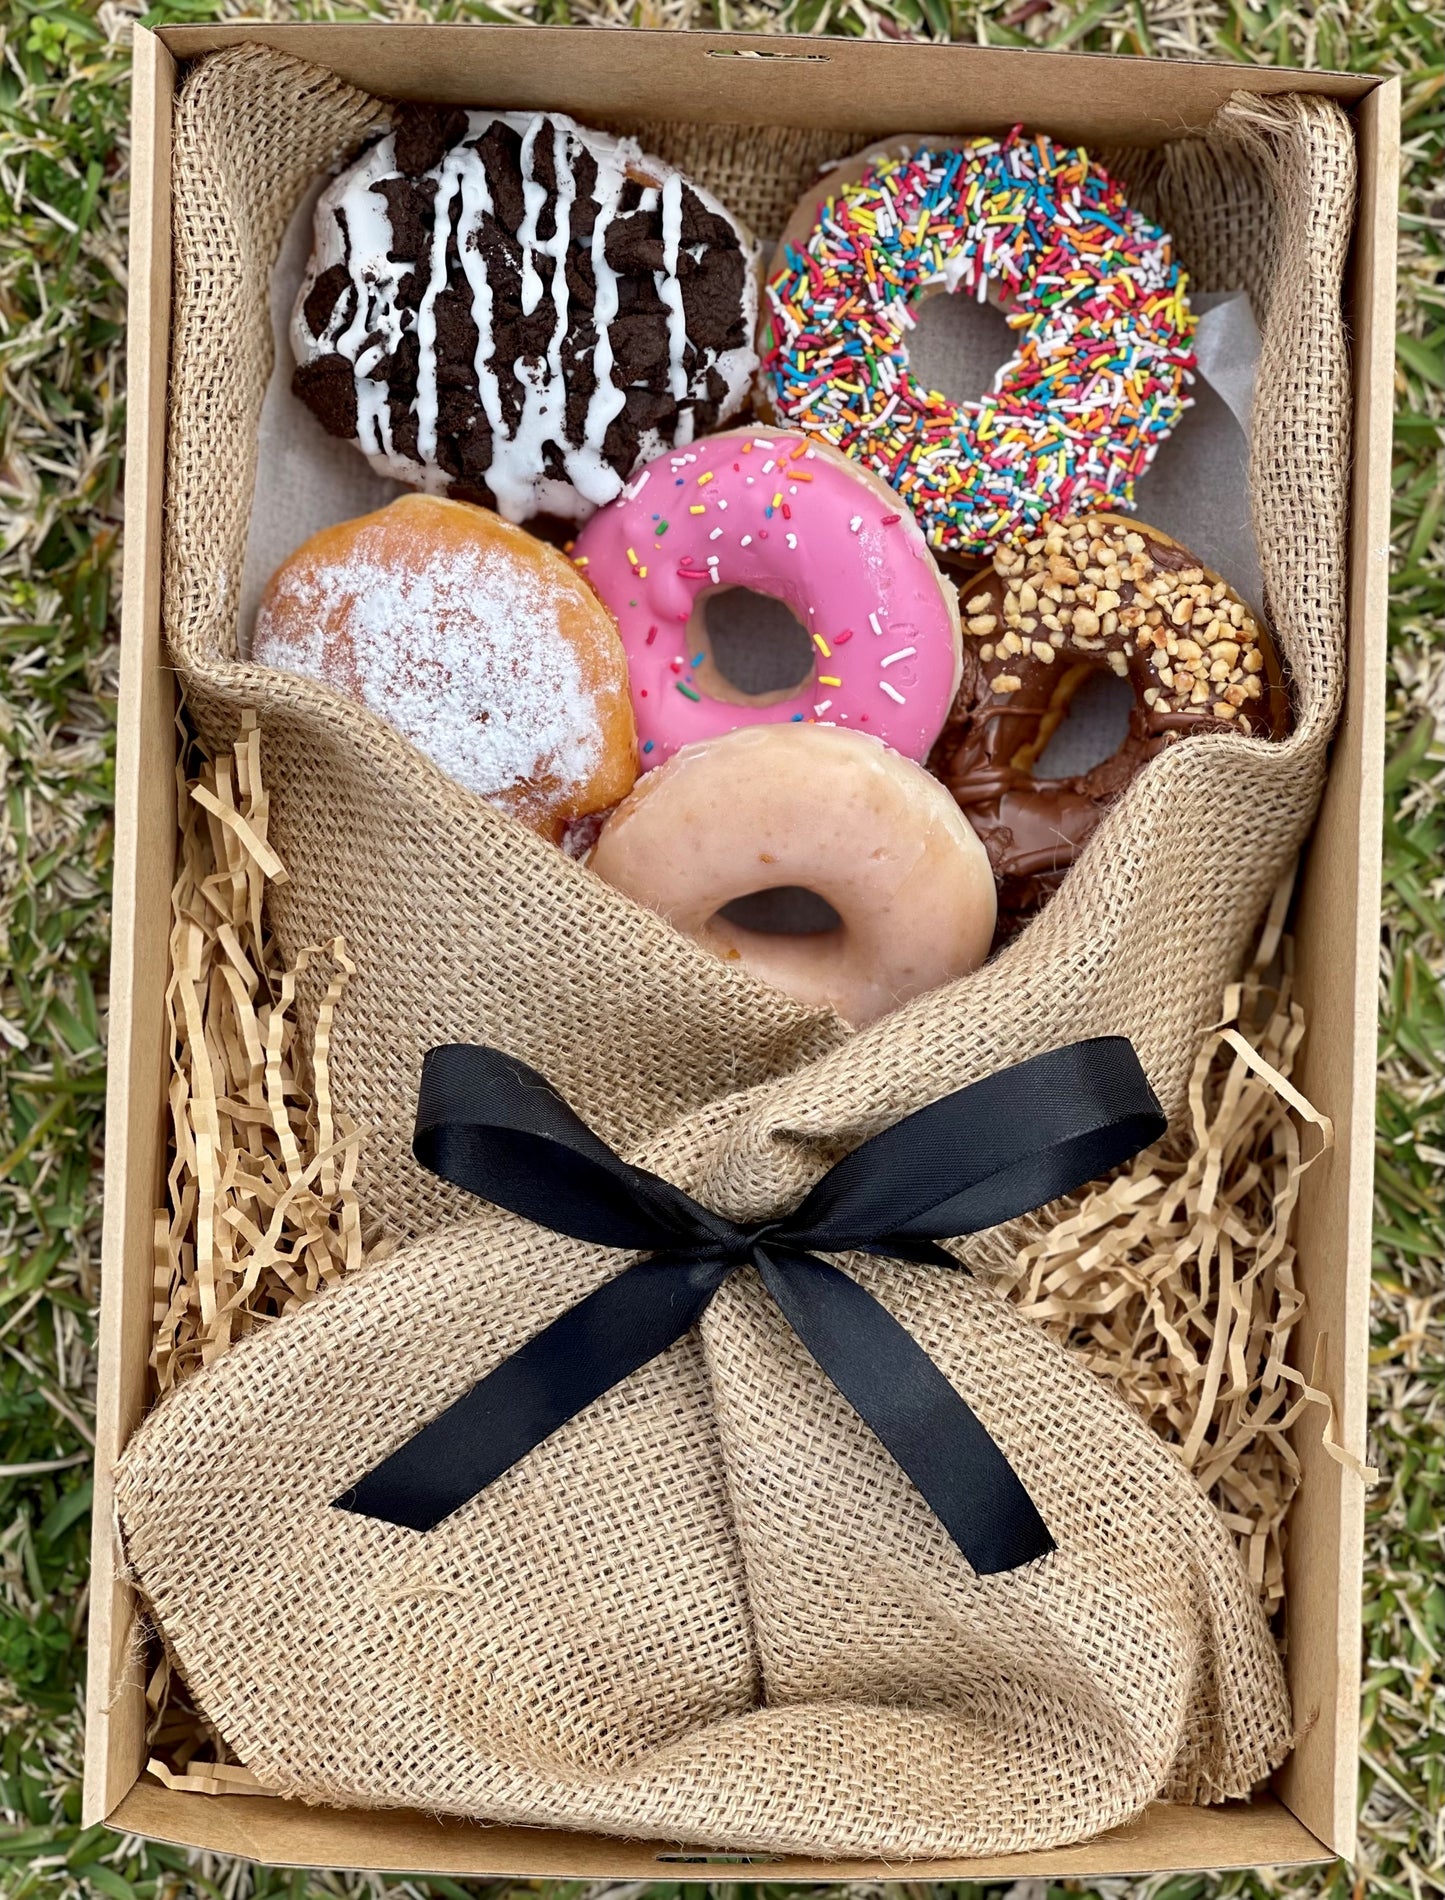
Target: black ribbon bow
x,y
984,1154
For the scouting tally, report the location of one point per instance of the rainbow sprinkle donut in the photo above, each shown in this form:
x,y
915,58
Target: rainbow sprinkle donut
x,y
1076,414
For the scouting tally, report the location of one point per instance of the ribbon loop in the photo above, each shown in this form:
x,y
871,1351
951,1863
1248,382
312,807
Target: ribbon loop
x,y
490,1124
1064,1117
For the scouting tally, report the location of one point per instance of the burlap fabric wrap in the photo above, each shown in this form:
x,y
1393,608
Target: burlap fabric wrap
x,y
711,1609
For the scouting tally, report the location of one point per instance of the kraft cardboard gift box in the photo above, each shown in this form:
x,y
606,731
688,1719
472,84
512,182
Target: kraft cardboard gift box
x,y
874,88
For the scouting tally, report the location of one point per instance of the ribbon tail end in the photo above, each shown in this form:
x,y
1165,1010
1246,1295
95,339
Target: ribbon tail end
x,y
1031,1542
357,1502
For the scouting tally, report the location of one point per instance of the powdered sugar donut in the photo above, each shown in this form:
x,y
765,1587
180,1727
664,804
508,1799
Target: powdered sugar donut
x,y
772,512
516,311
827,811
477,642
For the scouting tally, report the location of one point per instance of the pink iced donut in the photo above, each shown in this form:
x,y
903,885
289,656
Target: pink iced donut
x,y
817,809
780,515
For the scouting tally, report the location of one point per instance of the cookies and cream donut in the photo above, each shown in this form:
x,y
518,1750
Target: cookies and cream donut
x,y
476,641
1092,287
514,310
774,513
818,809
1099,594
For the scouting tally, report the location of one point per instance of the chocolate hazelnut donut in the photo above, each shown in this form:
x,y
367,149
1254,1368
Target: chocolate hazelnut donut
x,y
509,309
1101,593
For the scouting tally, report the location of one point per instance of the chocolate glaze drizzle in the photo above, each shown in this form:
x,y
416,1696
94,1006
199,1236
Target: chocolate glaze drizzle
x,y
513,310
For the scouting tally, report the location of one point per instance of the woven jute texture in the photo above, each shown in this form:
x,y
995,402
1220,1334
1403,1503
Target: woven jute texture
x,y
711,1609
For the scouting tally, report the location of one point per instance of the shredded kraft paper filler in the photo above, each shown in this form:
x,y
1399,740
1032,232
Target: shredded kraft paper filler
x,y
711,1608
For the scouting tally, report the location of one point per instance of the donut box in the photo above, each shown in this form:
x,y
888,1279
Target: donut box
x,y
815,89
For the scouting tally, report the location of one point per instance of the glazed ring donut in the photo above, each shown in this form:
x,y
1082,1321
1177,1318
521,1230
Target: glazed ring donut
x,y
1098,378
479,643
779,515
832,812
1101,593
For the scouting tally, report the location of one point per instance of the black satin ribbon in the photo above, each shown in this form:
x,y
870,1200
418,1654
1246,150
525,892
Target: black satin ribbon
x,y
1012,1142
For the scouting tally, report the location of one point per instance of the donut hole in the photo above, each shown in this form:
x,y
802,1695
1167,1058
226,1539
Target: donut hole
x,y
1094,726
785,910
755,651
958,345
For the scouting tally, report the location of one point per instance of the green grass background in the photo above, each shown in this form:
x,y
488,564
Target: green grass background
x,y
63,112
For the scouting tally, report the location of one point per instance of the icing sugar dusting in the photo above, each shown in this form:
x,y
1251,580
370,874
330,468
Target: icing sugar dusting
x,y
462,654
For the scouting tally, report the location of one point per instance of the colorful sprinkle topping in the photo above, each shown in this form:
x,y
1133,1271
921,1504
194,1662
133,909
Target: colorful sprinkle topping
x,y
1096,384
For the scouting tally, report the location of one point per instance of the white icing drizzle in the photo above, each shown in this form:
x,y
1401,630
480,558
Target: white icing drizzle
x,y
426,322
353,228
366,234
476,204
669,289
534,197
607,400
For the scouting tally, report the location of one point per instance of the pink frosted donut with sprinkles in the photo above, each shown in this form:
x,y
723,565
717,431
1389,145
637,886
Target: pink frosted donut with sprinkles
x,y
1098,379
776,514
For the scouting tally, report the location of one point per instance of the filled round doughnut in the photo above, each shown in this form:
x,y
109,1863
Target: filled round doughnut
x,y
513,310
820,810
779,515
1104,593
480,644
1093,288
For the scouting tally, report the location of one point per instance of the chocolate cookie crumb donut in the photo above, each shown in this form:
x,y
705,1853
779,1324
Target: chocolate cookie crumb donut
x,y
509,309
1099,593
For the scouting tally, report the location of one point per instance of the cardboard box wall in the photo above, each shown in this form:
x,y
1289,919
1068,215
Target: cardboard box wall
x,y
875,88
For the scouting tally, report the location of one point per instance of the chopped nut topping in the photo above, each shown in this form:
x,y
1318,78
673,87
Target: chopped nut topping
x,y
1093,586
